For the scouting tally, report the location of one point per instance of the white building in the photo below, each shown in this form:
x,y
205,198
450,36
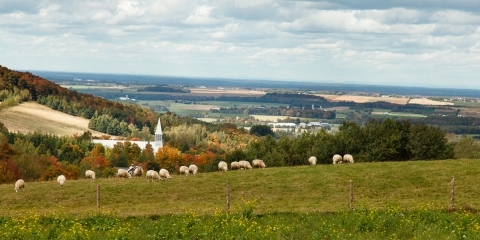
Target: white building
x,y
142,144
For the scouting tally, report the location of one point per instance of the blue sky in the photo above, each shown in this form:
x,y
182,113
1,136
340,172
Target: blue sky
x,y
408,43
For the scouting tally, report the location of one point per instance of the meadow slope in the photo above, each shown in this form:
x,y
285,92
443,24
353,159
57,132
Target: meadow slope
x,y
31,116
302,189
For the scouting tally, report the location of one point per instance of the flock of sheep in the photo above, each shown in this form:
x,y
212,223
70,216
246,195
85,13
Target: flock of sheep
x,y
337,159
243,164
192,169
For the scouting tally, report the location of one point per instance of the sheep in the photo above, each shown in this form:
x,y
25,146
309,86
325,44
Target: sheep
x,y
138,172
245,164
152,174
19,184
347,158
234,165
258,163
184,170
122,173
90,174
164,174
337,159
312,160
222,166
193,169
61,180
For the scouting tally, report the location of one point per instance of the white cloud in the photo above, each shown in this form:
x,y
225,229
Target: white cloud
x,y
344,40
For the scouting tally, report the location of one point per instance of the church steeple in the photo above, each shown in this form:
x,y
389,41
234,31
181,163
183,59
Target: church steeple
x,y
158,135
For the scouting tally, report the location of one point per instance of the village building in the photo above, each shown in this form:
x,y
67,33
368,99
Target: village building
x,y
157,144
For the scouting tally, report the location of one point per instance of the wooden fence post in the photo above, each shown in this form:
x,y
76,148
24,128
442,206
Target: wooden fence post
x,y
228,197
98,196
452,198
351,195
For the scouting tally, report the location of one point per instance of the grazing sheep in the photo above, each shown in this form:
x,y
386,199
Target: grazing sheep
x,y
184,170
152,174
122,173
61,179
19,184
234,165
245,164
90,174
337,159
347,158
193,169
138,172
312,160
164,174
258,163
222,166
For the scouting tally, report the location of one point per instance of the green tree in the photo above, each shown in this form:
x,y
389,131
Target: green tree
x,y
428,142
467,148
261,130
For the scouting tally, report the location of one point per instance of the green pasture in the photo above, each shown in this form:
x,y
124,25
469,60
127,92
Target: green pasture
x,y
391,200
321,188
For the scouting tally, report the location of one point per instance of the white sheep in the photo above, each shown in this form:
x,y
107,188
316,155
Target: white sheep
x,y
122,173
337,159
19,184
244,164
234,165
258,163
61,180
90,174
138,172
152,174
312,160
193,169
347,158
222,166
164,174
184,170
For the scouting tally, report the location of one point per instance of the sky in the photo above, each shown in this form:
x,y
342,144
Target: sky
x,y
427,43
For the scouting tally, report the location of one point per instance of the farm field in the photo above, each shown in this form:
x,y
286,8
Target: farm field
x,y
321,188
31,116
363,99
288,202
399,114
423,101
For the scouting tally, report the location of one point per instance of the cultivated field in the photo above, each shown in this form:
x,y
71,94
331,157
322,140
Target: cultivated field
x,y
31,116
303,189
424,101
363,99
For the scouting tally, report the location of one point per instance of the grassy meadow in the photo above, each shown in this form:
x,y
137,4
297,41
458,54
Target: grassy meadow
x,y
394,200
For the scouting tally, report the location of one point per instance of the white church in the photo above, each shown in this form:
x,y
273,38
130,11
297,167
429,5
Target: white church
x,y
142,144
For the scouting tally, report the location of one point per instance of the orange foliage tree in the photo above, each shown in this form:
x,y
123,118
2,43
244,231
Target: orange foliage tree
x,y
168,157
9,172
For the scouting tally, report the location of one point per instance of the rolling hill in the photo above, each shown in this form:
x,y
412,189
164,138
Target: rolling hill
x,y
31,116
320,188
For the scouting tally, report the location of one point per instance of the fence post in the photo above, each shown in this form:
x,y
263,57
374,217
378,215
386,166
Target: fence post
x,y
452,198
228,197
351,195
98,196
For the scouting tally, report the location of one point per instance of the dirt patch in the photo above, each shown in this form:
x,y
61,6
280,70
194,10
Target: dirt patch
x,y
424,101
31,117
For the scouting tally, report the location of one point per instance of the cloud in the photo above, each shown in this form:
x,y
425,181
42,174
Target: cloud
x,y
344,40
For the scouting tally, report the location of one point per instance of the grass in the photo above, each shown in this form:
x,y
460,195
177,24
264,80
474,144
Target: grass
x,y
393,200
322,188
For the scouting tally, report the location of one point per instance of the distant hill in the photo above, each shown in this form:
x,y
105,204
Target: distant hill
x,y
31,116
